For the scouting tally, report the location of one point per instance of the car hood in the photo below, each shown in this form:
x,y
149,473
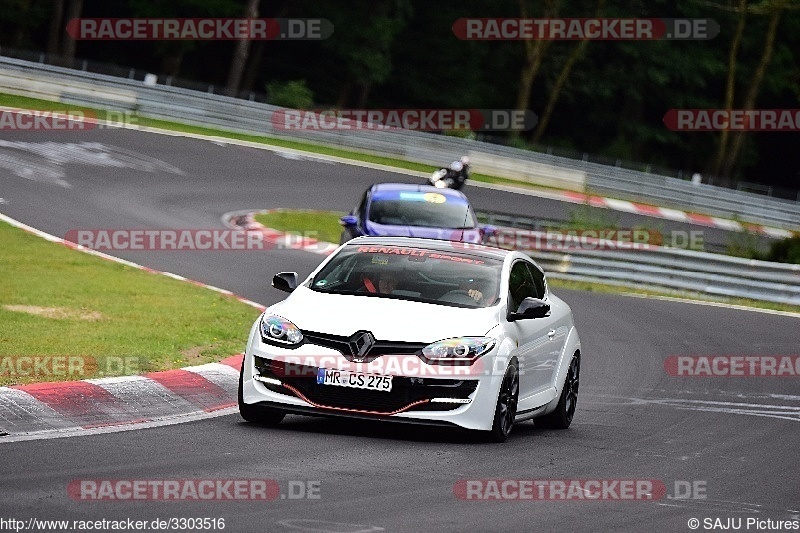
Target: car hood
x,y
388,319
384,230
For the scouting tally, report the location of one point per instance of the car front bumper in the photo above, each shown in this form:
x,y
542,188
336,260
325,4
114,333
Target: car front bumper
x,y
284,378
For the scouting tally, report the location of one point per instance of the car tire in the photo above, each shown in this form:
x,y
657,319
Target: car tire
x,y
506,408
266,416
561,418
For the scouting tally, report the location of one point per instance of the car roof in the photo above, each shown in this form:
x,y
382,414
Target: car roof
x,y
394,187
488,252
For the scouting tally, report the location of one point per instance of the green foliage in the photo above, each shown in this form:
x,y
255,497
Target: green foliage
x,y
403,54
461,134
785,251
364,43
320,225
293,94
745,245
586,218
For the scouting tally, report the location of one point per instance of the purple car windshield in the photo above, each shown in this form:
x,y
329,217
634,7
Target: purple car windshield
x,y
430,210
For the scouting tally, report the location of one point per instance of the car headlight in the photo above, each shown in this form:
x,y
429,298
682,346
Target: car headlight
x,y
458,349
278,330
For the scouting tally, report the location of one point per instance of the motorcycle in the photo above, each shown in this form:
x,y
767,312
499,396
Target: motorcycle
x,y
439,179
446,178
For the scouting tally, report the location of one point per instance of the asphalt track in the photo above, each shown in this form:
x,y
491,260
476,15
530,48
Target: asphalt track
x,y
735,437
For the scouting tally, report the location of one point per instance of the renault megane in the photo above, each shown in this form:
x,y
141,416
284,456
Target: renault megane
x,y
416,330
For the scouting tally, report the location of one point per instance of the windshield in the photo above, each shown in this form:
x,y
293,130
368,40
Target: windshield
x,y
426,213
447,278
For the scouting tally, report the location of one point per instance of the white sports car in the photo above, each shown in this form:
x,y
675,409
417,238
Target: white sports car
x,y
416,330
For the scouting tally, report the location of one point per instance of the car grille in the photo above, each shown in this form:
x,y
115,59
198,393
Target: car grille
x,y
405,390
344,345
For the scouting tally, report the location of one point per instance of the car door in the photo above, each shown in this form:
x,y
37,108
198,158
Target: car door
x,y
534,350
359,212
557,328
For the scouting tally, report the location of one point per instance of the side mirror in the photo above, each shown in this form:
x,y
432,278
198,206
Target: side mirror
x,y
487,232
348,220
530,308
285,281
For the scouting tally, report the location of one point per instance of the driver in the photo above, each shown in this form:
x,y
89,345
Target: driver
x,y
477,289
381,282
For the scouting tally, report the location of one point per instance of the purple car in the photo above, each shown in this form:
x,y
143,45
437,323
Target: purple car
x,y
406,210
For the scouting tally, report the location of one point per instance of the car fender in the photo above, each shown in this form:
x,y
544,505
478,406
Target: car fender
x,y
572,345
500,361
252,340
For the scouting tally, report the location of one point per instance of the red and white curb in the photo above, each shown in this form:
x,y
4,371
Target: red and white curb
x,y
644,209
46,410
279,239
674,214
50,410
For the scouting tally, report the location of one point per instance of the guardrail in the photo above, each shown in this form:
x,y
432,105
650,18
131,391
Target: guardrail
x,y
656,267
203,109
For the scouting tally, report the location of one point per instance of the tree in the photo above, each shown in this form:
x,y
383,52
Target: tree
x,y
534,55
775,9
54,32
365,49
577,53
68,44
730,84
730,146
240,53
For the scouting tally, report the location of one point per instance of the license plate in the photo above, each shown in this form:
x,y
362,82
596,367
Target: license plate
x,y
355,380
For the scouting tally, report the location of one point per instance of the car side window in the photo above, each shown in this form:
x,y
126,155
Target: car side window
x,y
538,281
359,211
520,284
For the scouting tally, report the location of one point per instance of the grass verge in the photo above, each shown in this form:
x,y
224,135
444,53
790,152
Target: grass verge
x,y
320,225
327,223
67,308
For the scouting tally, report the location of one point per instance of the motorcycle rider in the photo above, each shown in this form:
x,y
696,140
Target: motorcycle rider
x,y
452,176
